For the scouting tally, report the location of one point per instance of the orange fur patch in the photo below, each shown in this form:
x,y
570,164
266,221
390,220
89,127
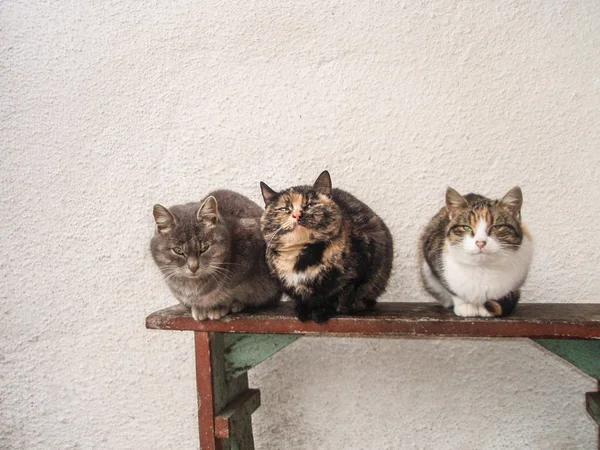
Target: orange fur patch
x,y
481,214
494,307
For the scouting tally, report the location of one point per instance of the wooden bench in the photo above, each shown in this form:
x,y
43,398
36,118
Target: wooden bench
x,y
226,349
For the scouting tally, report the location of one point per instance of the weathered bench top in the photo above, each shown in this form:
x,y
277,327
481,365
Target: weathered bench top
x,y
530,320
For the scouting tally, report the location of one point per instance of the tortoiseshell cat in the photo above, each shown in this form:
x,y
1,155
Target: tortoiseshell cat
x,y
212,255
330,251
475,253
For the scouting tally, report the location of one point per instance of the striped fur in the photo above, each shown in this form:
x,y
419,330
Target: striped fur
x,y
212,255
475,253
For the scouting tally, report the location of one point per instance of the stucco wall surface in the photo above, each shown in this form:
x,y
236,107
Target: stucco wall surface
x,y
109,107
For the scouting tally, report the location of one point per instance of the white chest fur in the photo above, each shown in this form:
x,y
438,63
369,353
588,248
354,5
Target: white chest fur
x,y
294,278
490,278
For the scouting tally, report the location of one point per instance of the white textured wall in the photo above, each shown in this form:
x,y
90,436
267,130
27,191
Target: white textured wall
x,y
109,107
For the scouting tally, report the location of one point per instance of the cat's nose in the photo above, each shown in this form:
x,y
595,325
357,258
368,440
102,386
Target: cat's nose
x,y
194,269
480,244
296,214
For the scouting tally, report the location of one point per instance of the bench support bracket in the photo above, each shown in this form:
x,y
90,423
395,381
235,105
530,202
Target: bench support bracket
x,y
585,355
225,403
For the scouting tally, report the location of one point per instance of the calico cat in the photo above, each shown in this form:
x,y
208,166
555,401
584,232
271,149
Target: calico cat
x,y
330,251
212,255
474,254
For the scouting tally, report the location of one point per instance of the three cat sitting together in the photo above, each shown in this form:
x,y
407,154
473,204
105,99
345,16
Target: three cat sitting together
x,y
332,254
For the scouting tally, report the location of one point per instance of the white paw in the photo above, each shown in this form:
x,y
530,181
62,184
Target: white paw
x,y
484,312
199,314
466,310
218,312
237,307
471,310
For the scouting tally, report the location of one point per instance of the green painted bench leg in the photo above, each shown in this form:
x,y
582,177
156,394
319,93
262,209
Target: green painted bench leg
x,y
592,402
225,403
585,355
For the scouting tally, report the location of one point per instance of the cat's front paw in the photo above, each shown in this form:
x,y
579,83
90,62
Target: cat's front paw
x,y
471,310
199,314
237,307
303,312
322,315
217,313
483,312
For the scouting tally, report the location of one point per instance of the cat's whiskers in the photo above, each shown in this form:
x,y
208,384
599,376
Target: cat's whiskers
x,y
225,270
285,224
221,271
511,258
214,278
168,273
170,276
508,249
219,265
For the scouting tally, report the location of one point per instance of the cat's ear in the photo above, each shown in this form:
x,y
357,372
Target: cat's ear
x,y
513,201
323,183
455,202
164,219
209,211
267,193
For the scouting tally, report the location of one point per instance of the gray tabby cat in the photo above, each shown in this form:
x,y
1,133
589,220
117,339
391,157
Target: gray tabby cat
x,y
474,254
212,255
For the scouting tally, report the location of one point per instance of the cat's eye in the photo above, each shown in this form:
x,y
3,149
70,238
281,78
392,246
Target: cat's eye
x,y
467,228
204,247
177,251
311,205
283,209
502,226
